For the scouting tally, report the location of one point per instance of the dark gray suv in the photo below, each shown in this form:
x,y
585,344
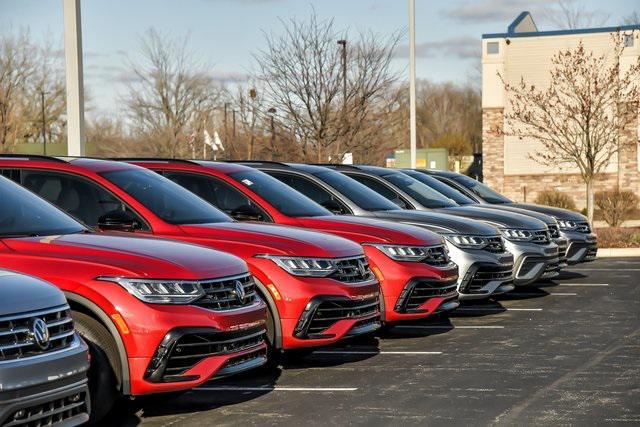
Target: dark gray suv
x,y
43,361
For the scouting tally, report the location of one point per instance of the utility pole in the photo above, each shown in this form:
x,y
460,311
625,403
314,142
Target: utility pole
x,y
75,90
44,123
343,43
272,112
233,121
412,80
226,133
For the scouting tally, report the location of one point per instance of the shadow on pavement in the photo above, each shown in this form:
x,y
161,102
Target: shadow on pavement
x,y
523,293
570,275
437,325
478,309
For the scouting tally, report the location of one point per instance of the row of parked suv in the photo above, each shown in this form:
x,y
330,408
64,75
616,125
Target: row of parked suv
x,y
177,272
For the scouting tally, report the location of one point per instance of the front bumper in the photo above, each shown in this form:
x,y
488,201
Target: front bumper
x,y
47,389
582,247
482,273
533,261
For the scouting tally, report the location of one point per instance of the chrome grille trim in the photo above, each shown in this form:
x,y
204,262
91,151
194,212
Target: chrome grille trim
x,y
352,270
221,294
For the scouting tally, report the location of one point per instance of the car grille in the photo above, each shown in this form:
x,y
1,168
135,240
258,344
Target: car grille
x,y
554,231
583,227
353,270
541,237
17,338
226,294
170,362
57,411
438,256
418,292
495,245
328,312
562,250
474,282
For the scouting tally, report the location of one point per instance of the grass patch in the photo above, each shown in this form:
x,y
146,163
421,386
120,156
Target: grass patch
x,y
618,237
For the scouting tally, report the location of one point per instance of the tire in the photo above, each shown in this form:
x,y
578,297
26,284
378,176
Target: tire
x,y
105,372
274,354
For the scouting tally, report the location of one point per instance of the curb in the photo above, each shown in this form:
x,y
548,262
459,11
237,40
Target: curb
x,y
618,252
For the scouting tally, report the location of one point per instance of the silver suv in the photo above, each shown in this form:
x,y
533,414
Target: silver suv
x,y
43,361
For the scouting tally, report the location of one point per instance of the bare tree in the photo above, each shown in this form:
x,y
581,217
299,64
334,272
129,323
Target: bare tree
x,y
572,14
301,73
632,19
578,119
168,93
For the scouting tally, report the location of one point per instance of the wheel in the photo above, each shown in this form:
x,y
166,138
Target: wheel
x,y
105,371
274,354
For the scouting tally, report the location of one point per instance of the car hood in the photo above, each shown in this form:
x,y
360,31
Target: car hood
x,y
20,293
496,218
438,222
558,213
370,230
274,239
108,255
547,219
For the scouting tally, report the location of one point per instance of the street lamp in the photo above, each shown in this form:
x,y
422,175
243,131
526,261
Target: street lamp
x,y
343,43
272,112
44,122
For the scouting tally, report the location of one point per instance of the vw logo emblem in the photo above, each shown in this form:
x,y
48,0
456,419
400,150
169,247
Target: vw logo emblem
x,y
362,267
40,333
240,292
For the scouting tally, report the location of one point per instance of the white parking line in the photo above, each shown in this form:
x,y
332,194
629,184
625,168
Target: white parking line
x,y
531,294
276,388
376,352
524,309
497,309
583,284
449,327
563,294
605,269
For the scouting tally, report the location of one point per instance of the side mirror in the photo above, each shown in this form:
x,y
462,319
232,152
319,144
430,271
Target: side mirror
x,y
117,220
246,213
333,207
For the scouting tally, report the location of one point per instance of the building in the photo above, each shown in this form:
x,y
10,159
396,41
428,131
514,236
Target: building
x,y
525,52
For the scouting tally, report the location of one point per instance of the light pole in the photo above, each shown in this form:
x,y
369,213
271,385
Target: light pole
x,y
343,43
412,80
44,122
272,112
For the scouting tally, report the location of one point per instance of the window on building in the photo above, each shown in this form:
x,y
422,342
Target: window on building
x,y
628,40
493,48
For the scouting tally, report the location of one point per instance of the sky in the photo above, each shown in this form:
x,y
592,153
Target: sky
x,y
225,33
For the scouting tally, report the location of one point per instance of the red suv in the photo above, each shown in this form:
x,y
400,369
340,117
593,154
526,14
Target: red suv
x,y
416,275
319,288
158,315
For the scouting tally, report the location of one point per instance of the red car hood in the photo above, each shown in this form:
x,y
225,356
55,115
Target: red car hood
x,y
130,256
367,230
275,239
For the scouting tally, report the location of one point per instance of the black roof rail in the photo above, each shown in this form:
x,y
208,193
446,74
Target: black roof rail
x,y
336,165
151,159
32,157
258,162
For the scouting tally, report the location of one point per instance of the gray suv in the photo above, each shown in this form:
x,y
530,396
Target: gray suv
x,y
43,361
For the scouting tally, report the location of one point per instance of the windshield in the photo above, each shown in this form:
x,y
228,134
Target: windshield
x,y
481,190
164,198
279,195
424,195
25,214
364,197
441,188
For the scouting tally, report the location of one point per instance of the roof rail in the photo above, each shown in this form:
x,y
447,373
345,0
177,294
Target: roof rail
x,y
151,159
336,165
33,157
266,162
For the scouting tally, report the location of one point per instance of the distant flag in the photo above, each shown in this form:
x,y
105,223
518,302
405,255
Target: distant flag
x,y
217,141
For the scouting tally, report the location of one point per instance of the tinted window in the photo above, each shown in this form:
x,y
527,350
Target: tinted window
x,y
381,189
481,190
441,188
25,214
313,191
424,195
164,198
220,194
80,198
358,193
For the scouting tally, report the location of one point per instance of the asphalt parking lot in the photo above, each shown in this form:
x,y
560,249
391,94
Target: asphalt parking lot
x,y
564,352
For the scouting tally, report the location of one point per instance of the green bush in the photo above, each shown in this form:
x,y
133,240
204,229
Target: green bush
x,y
556,199
616,205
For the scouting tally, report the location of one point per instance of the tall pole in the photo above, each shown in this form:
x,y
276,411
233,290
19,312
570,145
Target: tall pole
x,y
226,133
343,43
75,90
412,80
272,112
44,124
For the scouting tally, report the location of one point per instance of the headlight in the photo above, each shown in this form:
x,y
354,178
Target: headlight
x,y
517,235
160,291
467,242
405,253
300,266
567,225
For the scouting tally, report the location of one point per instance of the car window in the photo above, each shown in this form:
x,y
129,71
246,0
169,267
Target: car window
x,y
25,214
77,196
481,190
364,197
166,199
220,194
381,189
441,188
421,193
313,191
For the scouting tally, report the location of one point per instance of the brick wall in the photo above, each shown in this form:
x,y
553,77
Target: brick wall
x,y
493,148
